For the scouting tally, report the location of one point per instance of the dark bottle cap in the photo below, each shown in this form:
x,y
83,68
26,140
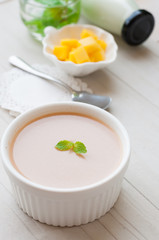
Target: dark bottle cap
x,y
138,27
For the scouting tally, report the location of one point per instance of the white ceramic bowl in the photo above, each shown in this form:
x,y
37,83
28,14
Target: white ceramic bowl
x,y
72,206
53,37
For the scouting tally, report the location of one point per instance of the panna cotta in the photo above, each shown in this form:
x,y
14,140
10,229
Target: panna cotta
x,y
63,188
33,152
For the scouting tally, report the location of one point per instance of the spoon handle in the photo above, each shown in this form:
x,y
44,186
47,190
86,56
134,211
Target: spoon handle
x,y
18,62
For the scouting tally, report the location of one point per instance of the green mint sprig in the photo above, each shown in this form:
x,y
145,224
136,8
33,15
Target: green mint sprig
x,y
77,147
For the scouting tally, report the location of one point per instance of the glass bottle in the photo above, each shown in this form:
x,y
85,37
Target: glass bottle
x,y
122,17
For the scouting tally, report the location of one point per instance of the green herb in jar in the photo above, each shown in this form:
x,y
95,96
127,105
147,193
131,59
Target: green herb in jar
x,y
38,14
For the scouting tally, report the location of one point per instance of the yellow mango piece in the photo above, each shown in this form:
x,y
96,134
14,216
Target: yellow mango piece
x,y
80,55
88,33
61,52
90,44
98,56
102,43
72,57
72,43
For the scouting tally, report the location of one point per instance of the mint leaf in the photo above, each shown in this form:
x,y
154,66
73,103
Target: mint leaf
x,y
79,148
64,145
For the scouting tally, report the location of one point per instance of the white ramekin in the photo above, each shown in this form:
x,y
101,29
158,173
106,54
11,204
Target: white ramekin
x,y
65,207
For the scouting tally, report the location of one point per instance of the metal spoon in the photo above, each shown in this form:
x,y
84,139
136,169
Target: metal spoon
x,y
77,96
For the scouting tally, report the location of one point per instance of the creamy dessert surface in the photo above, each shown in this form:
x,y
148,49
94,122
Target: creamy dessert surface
x,y
34,155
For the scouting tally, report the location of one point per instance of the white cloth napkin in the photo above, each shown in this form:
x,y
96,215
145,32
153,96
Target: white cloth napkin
x,y
20,91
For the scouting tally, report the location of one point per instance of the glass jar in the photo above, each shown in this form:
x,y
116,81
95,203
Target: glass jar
x,y
38,14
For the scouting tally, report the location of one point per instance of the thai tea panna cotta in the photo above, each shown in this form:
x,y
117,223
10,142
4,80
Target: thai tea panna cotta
x,y
65,188
33,152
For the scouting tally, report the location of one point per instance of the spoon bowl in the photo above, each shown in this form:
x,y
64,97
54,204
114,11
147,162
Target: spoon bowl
x,y
97,100
77,96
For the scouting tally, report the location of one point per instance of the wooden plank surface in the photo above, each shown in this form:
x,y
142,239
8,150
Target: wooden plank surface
x,y
132,81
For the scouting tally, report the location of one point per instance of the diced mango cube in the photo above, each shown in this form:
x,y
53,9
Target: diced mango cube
x,y
80,55
61,52
102,43
90,44
88,33
72,57
98,56
72,43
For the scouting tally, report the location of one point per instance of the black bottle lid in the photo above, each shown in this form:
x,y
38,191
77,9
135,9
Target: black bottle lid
x,y
138,27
